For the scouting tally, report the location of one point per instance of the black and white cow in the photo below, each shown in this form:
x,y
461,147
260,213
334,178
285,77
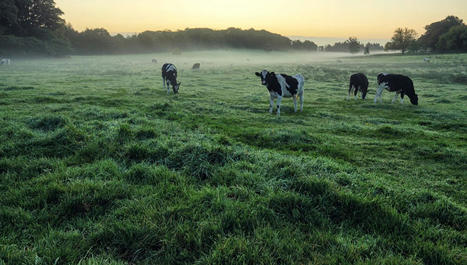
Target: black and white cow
x,y
358,82
400,84
196,66
281,85
169,77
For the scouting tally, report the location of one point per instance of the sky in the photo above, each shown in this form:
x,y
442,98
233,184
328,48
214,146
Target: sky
x,y
365,19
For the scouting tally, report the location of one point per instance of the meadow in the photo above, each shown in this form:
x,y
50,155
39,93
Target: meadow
x,y
98,165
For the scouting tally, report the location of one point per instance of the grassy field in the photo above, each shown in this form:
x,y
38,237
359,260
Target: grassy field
x,y
98,165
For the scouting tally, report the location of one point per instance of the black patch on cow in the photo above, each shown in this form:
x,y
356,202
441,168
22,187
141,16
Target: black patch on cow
x,y
360,82
292,84
401,84
273,84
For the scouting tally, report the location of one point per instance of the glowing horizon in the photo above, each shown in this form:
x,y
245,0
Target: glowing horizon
x,y
333,18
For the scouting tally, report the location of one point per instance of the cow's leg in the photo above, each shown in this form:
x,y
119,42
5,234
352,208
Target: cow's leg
x,y
301,101
271,103
163,82
279,100
295,102
356,93
379,93
402,98
395,97
351,87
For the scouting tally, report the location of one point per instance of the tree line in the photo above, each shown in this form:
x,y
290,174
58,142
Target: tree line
x,y
447,35
35,27
352,45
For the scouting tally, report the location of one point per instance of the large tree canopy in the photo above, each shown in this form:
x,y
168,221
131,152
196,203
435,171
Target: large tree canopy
x,y
435,30
454,40
29,17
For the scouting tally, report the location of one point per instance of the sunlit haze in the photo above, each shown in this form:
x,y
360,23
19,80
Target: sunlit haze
x,y
366,19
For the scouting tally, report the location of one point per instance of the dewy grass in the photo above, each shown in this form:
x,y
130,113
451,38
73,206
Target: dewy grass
x,y
98,165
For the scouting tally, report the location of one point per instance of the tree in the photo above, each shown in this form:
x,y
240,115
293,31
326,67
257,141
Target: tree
x,y
453,40
353,44
304,46
29,17
8,16
436,29
402,40
367,49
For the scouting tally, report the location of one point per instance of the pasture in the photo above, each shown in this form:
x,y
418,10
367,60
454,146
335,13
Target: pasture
x,y
98,165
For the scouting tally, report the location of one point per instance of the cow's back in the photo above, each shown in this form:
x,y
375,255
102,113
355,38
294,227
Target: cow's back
x,y
291,84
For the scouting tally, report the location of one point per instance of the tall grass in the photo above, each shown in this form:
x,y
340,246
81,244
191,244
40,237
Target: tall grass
x,y
99,166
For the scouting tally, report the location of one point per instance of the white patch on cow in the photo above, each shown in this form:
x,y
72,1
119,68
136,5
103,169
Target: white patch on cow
x,y
295,103
171,67
379,91
271,103
264,73
273,94
279,100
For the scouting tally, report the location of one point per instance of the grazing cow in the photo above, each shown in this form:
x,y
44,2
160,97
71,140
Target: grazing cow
x,y
169,77
426,59
281,85
154,60
400,84
196,66
5,61
358,82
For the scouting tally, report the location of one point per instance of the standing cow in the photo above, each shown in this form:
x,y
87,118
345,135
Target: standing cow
x,y
400,84
169,77
358,82
281,85
196,66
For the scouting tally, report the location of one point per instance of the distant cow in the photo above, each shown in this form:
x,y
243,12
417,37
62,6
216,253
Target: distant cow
x,y
169,77
5,61
154,60
426,59
196,66
358,82
400,84
281,85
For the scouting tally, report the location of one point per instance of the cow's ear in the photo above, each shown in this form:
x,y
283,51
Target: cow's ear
x,y
258,74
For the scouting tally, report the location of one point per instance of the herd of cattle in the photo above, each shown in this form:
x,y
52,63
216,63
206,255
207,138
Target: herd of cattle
x,y
285,86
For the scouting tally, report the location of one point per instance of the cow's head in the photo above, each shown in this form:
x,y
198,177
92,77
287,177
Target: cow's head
x,y
176,87
380,77
364,91
414,99
263,76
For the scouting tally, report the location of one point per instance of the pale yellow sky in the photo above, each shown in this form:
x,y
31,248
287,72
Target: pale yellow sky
x,y
321,18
